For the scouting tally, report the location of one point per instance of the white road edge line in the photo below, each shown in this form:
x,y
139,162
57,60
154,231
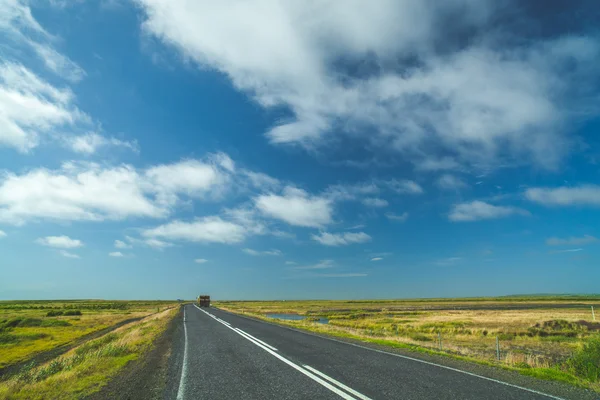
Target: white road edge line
x,y
340,384
408,358
291,364
181,390
258,340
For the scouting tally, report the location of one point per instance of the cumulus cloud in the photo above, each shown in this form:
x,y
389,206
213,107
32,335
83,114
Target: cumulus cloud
x,y
571,241
376,258
119,244
341,239
200,260
75,193
2,234
450,182
584,195
252,252
67,254
60,242
211,229
431,81
296,207
405,186
397,217
116,254
91,142
91,192
479,210
194,178
375,202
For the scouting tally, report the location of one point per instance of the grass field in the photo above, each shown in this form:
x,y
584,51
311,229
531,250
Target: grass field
x,y
87,367
28,328
548,337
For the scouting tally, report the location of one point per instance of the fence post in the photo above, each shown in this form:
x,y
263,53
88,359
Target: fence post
x,y
497,349
593,314
440,340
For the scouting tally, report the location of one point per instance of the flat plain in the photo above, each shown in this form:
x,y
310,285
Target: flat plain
x,y
70,349
548,337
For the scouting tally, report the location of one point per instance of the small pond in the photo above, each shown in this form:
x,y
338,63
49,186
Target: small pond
x,y
295,317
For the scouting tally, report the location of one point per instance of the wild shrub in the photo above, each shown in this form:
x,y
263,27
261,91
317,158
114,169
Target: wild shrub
x,y
12,323
72,312
29,322
585,363
6,338
54,313
54,322
420,338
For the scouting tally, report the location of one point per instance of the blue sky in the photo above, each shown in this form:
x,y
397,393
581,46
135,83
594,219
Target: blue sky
x,y
270,150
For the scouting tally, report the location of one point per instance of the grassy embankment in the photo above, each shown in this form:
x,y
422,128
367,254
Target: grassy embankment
x,y
28,328
87,367
549,342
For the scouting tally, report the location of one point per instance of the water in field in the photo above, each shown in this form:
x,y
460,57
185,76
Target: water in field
x,y
295,317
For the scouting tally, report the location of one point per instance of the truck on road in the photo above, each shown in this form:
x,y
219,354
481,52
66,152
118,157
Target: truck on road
x,y
204,300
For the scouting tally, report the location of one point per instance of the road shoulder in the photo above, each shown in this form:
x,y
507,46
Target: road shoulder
x,y
149,376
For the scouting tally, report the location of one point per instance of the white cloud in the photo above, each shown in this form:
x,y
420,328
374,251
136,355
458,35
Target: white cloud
x,y
341,239
450,261
584,195
342,275
476,100
260,180
397,217
253,252
211,229
60,242
375,202
478,210
33,110
157,244
571,241
146,242
89,143
91,192
116,254
24,33
450,182
76,192
437,164
191,177
2,234
58,63
341,192
323,264
566,251
31,106
376,258
296,207
67,254
119,244
405,186
290,263
200,260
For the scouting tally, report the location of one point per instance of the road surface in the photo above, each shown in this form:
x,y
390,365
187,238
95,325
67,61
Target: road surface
x,y
226,356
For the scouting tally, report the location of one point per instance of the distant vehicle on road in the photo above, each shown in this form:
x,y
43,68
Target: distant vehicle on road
x,y
204,301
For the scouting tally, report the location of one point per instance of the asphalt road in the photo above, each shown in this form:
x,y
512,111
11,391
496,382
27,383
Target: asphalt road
x,y
226,356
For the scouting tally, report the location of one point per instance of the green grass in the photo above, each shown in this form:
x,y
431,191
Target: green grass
x,y
28,328
85,369
548,343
